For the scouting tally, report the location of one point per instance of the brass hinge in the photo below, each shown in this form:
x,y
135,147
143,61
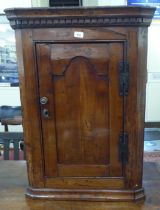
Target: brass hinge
x,y
123,147
124,78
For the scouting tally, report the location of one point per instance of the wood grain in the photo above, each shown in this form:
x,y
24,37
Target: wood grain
x,y
12,190
75,148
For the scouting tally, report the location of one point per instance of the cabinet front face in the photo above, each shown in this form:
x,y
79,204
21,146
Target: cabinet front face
x,y
82,78
81,108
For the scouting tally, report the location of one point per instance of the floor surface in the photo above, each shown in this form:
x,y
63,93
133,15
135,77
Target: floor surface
x,y
13,181
152,140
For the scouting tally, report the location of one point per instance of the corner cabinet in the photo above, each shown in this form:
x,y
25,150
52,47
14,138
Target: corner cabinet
x,y
82,79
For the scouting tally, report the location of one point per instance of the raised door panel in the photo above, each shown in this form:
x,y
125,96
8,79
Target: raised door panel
x,y
85,109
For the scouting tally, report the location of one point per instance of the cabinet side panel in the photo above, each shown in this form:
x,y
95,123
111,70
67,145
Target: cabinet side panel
x,y
28,89
141,99
135,103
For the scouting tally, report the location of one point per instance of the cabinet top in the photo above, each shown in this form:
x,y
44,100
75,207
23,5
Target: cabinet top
x,y
79,16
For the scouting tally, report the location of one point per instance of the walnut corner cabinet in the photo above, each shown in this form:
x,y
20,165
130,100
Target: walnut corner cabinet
x,y
82,79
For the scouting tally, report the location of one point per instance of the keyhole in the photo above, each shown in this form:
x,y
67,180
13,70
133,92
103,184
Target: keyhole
x,y
45,113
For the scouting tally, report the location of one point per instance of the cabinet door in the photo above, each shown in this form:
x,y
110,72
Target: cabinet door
x,y
81,108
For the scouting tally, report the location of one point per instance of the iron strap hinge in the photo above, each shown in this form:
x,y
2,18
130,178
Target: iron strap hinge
x,y
124,78
123,147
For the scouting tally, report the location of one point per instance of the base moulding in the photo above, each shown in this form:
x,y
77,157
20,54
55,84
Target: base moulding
x,y
85,194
